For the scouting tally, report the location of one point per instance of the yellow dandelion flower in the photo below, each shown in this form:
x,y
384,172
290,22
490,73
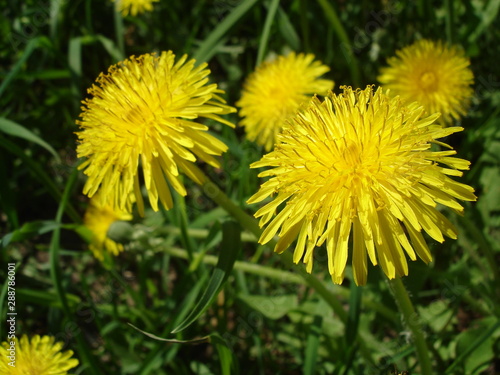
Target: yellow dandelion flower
x,y
432,74
134,7
275,91
359,165
146,110
40,356
98,219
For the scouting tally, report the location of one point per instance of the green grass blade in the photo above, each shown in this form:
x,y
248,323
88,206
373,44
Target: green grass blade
x,y
228,362
114,51
230,248
17,130
7,196
55,11
29,230
56,276
119,31
312,343
207,48
30,47
351,331
304,24
352,61
287,30
487,333
40,173
264,39
172,341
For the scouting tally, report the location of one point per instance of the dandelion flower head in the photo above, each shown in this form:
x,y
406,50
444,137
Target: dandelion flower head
x,y
98,219
432,74
134,7
38,356
359,165
144,112
275,91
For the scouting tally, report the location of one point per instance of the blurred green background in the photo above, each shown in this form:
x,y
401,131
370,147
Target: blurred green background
x,y
266,320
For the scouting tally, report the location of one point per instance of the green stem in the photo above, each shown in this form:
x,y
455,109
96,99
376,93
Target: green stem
x,y
119,31
250,224
484,247
304,25
450,37
412,321
276,274
219,197
346,45
271,13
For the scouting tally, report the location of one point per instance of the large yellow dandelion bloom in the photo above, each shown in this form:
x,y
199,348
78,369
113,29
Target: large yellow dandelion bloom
x,y
360,165
145,110
98,219
432,74
134,7
275,91
40,356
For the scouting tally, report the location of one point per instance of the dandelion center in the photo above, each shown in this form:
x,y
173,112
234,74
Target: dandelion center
x,y
433,74
275,91
428,81
143,113
360,165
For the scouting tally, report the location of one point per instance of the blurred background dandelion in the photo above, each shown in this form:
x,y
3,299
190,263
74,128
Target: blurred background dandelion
x,y
185,287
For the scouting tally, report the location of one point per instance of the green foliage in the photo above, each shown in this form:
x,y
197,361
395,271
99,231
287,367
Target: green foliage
x,y
202,301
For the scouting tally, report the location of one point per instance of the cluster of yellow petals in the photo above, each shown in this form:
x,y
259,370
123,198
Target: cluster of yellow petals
x,y
434,75
134,7
98,219
38,356
359,165
275,91
143,113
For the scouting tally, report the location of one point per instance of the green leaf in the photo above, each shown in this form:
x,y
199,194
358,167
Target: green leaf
x,y
110,47
475,346
264,39
29,230
231,245
16,130
488,16
287,30
351,330
313,340
30,47
207,48
7,195
274,307
172,341
228,362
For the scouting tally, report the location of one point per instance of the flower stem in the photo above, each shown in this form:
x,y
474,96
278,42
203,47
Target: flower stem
x,y
249,223
219,197
412,321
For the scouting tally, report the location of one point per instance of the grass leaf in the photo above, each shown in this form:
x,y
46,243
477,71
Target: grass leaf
x,y
16,130
230,248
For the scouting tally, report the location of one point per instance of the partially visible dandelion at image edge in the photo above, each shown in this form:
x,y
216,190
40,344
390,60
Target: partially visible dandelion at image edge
x,y
99,219
40,355
144,112
134,7
359,164
275,91
432,74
